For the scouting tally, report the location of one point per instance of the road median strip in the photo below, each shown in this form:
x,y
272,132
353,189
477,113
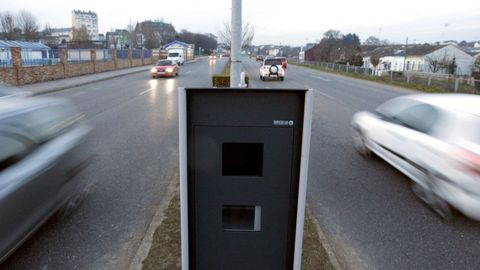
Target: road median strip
x,y
165,245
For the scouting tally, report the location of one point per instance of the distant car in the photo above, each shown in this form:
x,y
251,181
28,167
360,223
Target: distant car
x,y
212,57
165,68
434,140
284,61
259,58
43,146
272,68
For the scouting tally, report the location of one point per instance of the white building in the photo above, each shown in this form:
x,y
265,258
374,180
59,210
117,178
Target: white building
x,y
61,33
421,58
88,19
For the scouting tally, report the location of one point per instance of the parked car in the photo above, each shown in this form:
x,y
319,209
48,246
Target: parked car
x,y
43,147
165,68
259,58
434,140
284,61
272,68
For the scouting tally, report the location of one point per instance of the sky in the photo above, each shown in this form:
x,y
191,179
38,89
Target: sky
x,y
286,22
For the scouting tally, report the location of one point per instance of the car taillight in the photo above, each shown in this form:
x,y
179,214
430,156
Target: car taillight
x,y
470,161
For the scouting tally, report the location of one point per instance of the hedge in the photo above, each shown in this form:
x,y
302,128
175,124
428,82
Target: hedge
x,y
224,80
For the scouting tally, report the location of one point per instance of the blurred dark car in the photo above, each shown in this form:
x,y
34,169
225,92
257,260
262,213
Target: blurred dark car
x,y
259,58
42,149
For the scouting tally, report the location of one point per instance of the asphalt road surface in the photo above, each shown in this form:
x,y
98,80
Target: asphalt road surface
x,y
135,138
364,206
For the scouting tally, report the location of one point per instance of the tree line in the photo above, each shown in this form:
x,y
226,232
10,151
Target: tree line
x,y
24,26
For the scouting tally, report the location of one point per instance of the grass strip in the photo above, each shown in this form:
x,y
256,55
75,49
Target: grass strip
x,y
165,251
386,80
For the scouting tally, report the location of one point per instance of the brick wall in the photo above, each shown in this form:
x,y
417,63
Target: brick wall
x,y
19,75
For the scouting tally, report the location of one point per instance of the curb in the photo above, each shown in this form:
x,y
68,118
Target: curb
x,y
325,243
144,248
60,88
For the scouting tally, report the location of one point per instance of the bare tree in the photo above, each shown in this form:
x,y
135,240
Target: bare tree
x,y
371,40
375,60
28,23
248,32
132,35
80,34
8,25
333,34
437,63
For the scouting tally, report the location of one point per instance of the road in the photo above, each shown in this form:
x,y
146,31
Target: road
x,y
135,138
364,206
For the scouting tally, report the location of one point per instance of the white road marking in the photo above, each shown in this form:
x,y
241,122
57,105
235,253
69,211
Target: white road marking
x,y
187,72
321,78
146,91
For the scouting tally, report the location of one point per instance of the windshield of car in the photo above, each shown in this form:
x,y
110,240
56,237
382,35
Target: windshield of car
x,y
270,62
394,106
173,54
164,63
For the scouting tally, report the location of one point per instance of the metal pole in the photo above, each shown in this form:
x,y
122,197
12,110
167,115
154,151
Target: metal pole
x,y
405,57
236,60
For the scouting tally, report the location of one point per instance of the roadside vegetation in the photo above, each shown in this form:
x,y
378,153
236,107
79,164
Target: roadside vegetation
x,y
386,80
165,252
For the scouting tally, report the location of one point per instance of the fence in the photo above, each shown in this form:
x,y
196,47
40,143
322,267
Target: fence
x,y
104,54
33,57
136,54
78,56
122,54
419,80
5,57
147,54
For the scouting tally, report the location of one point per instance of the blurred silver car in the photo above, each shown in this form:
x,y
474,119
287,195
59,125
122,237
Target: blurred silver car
x,y
42,149
435,140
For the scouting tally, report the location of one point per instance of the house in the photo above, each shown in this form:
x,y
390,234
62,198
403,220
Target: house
x,y
307,53
119,39
391,57
422,58
188,49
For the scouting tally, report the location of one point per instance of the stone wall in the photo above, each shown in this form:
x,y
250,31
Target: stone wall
x,y
29,75
19,75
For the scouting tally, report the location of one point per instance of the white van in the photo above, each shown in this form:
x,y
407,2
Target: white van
x,y
176,55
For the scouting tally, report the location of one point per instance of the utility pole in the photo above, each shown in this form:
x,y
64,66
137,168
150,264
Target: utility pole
x,y
405,58
236,47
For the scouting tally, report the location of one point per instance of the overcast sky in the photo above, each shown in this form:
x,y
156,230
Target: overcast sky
x,y
289,22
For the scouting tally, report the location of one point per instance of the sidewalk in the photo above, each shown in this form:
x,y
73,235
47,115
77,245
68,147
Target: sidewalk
x,y
57,85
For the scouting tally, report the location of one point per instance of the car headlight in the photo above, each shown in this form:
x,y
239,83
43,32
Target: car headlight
x,y
169,70
153,70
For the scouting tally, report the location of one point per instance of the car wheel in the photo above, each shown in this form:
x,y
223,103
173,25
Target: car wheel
x,y
359,142
282,78
426,193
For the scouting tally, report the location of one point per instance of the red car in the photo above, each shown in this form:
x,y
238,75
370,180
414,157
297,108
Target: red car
x,y
284,61
164,68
